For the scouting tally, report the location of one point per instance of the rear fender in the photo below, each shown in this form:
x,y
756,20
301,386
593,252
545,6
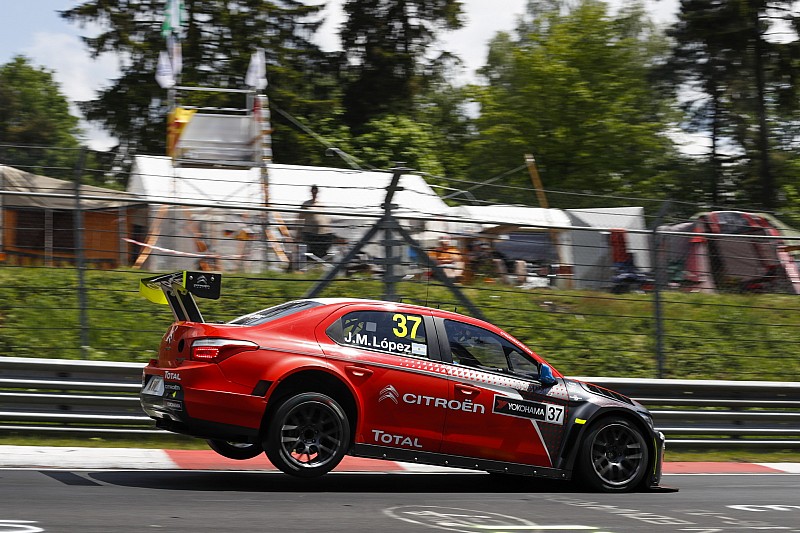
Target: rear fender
x,y
322,377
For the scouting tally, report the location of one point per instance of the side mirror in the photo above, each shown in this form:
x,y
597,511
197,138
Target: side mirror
x,y
546,376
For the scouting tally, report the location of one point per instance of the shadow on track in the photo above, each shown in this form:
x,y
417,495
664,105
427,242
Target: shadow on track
x,y
345,482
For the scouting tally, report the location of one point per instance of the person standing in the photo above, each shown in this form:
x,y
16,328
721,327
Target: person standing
x,y
314,227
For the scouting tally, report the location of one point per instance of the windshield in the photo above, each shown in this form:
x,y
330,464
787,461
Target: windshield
x,y
274,313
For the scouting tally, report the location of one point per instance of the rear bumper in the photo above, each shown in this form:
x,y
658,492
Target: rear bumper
x,y
201,407
208,430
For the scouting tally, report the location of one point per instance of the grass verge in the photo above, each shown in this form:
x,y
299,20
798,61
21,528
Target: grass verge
x,y
178,442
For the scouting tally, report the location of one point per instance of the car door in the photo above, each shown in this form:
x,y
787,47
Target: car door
x,y
514,418
401,385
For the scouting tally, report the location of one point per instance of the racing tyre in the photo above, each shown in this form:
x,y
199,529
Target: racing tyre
x,y
235,450
307,435
613,456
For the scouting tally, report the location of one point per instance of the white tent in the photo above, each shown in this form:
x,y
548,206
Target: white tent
x,y
494,216
155,178
521,233
591,247
217,204
554,235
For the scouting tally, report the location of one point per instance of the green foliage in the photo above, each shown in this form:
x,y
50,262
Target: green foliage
x,y
791,195
32,108
33,111
573,89
445,107
582,333
704,58
394,139
385,45
739,85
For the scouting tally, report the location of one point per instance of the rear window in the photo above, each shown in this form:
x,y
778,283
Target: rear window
x,y
274,313
382,331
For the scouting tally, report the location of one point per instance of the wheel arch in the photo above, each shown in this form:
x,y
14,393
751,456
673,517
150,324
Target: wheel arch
x,y
314,380
598,416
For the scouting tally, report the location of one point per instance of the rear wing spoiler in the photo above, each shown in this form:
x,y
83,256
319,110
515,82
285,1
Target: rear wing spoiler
x,y
177,290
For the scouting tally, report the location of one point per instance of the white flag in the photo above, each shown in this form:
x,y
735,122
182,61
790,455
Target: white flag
x,y
174,17
164,74
175,54
257,70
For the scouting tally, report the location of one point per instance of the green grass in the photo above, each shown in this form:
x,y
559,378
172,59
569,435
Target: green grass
x,y
167,442
706,336
736,456
178,442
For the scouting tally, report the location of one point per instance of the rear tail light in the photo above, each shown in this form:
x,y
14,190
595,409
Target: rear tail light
x,y
217,350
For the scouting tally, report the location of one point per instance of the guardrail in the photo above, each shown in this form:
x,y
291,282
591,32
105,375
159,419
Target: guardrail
x,y
101,399
72,397
712,413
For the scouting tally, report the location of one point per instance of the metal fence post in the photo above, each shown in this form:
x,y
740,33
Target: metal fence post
x,y
658,270
388,224
80,260
2,212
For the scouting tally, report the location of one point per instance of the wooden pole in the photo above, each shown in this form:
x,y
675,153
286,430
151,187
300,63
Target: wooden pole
x,y
536,180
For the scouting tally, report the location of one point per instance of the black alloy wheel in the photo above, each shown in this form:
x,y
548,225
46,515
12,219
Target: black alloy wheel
x,y
613,456
308,435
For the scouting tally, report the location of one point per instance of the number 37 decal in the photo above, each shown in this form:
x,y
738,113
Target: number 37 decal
x,y
406,325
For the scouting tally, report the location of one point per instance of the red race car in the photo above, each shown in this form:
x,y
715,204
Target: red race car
x,y
310,381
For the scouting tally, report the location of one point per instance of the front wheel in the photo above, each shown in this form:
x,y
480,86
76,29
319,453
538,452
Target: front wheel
x,y
308,435
235,450
613,456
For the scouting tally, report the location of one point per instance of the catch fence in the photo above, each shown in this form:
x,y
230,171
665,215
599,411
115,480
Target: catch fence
x,y
633,291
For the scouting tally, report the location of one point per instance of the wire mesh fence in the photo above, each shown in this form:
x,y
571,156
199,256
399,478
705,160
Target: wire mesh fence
x,y
639,290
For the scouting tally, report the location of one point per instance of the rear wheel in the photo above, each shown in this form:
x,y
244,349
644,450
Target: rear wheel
x,y
613,456
307,435
235,450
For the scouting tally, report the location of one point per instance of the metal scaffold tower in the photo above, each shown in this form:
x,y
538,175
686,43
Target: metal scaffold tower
x,y
235,133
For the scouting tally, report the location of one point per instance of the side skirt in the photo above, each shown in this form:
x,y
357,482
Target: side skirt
x,y
437,459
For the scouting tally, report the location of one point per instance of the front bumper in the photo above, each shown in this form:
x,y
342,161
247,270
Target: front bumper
x,y
659,445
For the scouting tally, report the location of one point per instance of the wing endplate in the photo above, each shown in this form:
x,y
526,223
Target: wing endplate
x,y
178,290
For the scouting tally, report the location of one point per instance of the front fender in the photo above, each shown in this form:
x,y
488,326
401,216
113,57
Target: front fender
x,y
583,417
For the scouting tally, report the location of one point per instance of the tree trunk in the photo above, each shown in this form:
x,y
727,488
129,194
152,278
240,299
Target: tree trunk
x,y
764,171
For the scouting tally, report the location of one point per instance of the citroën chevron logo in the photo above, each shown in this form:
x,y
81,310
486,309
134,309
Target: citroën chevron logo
x,y
388,393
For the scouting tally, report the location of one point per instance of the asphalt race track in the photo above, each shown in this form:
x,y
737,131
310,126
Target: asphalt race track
x,y
102,501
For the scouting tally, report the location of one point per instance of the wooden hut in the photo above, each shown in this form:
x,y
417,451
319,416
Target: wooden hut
x,y
39,221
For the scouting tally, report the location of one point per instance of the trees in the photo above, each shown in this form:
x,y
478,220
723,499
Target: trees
x,y
698,67
573,88
219,39
385,44
394,139
742,83
32,108
33,111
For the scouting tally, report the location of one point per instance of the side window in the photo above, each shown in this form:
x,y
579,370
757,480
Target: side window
x,y
521,364
477,347
382,331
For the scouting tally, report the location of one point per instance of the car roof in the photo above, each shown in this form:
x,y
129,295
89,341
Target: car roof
x,y
441,313
384,303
